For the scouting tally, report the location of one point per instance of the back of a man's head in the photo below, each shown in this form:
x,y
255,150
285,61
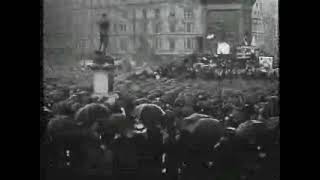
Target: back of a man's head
x,y
98,53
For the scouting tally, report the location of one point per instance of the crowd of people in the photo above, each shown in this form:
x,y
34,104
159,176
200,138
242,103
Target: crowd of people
x,y
166,136
223,67
148,138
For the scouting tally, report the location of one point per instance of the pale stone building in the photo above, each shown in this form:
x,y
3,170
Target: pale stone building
x,y
257,23
167,27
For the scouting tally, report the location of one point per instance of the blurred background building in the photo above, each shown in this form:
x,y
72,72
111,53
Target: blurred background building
x,y
257,24
161,27
271,26
57,28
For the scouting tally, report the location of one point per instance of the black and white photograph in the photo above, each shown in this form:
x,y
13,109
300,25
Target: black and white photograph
x,y
160,90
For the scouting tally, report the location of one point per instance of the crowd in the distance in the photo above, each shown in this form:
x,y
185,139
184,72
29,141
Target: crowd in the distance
x,y
223,67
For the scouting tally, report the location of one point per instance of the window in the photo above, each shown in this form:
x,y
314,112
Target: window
x,y
158,43
172,26
125,14
188,14
189,27
157,13
188,43
171,44
83,4
158,28
199,42
115,28
83,44
172,13
123,44
123,27
98,4
134,13
145,27
144,13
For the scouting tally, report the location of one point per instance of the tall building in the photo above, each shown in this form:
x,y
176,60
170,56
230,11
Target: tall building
x,y
257,23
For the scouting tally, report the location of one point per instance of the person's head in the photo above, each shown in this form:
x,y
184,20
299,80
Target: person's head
x,y
98,53
257,53
246,34
104,15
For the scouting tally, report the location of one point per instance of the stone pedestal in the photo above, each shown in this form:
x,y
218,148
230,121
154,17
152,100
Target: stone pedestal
x,y
103,68
101,83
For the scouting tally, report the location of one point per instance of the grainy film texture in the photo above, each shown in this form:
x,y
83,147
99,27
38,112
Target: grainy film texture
x,y
161,89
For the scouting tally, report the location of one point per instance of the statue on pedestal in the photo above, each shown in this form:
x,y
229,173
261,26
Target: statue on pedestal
x,y
104,25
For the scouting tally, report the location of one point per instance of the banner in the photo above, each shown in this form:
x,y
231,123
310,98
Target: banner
x,y
266,62
244,52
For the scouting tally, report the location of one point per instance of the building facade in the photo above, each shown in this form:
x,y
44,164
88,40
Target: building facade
x,y
229,20
57,28
164,27
257,23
